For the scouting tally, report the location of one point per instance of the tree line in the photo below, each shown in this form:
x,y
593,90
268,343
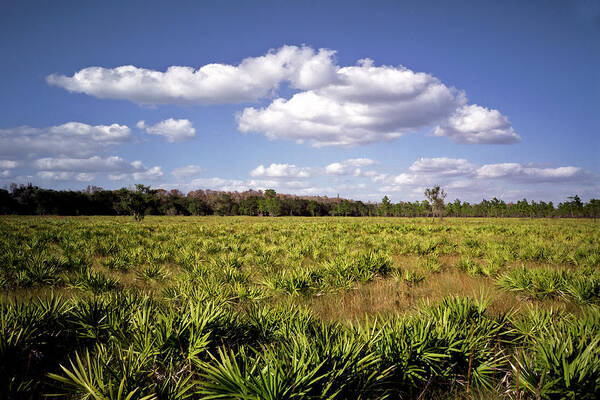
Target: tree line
x,y
143,200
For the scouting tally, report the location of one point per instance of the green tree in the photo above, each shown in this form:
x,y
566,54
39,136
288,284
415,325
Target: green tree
x,y
576,206
250,205
197,206
592,208
313,207
223,204
136,202
436,196
273,206
270,205
385,207
344,208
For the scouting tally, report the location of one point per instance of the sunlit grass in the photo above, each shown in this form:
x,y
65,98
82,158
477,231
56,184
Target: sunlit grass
x,y
237,307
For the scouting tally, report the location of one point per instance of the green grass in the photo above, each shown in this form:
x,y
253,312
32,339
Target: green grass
x,y
265,308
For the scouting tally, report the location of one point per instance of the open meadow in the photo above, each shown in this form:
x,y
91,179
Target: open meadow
x,y
281,308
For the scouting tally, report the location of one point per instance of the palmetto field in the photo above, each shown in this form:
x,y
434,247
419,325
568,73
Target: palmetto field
x,y
281,308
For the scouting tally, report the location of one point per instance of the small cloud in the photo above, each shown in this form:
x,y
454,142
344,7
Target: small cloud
x,y
152,173
187,171
70,139
91,164
443,166
349,166
87,169
519,172
477,125
65,176
281,171
8,164
174,130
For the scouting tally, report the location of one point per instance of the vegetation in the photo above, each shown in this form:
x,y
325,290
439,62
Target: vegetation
x,y
436,196
340,308
141,201
137,202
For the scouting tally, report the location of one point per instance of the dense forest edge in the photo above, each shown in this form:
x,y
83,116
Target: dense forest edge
x,y
143,200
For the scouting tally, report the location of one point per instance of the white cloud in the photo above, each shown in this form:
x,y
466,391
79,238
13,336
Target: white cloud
x,y
443,166
92,164
187,171
114,133
426,171
262,184
365,104
152,173
520,172
237,185
280,184
87,169
70,139
316,191
552,174
335,106
360,162
229,185
252,79
295,184
336,169
458,176
8,164
477,125
408,179
349,166
462,178
174,130
281,171
499,170
65,176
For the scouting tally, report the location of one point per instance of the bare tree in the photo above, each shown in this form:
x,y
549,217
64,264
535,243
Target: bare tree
x,y
436,196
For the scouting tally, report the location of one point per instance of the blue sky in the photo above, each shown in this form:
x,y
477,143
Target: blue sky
x,y
353,98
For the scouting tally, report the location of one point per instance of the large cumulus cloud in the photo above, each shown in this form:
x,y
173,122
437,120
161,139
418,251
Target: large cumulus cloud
x,y
330,105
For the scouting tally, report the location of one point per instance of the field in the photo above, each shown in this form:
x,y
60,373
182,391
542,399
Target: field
x,y
281,308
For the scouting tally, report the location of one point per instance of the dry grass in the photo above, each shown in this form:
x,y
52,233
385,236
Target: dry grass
x,y
395,296
389,296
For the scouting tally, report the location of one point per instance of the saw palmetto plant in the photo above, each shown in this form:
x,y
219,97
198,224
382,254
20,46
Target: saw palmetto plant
x,y
242,308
